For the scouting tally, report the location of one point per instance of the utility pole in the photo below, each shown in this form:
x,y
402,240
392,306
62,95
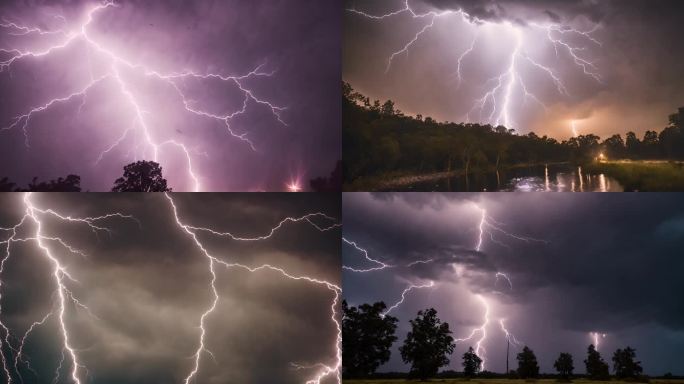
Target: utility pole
x,y
508,346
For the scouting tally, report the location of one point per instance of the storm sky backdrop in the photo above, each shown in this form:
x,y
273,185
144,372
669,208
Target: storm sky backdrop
x,y
147,284
599,263
636,54
296,44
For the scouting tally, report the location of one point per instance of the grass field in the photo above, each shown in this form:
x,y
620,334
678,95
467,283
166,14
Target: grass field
x,y
644,176
504,381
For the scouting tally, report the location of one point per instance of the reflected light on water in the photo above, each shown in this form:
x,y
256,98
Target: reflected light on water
x,y
546,174
576,181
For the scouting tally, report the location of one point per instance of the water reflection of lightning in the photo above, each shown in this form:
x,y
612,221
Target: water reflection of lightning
x,y
495,105
144,144
323,370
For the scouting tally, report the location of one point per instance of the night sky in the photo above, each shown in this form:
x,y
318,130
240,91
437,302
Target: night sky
x,y
634,48
607,263
146,285
295,48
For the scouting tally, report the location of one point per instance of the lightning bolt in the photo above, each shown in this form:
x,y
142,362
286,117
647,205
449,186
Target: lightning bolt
x,y
496,104
33,219
380,264
324,370
488,225
34,216
596,336
481,330
142,140
403,296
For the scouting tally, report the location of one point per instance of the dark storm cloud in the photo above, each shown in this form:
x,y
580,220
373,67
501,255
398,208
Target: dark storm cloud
x,y
608,263
637,61
297,41
147,283
522,10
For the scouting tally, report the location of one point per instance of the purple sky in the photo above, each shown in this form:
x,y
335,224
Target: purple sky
x,y
625,74
576,263
140,60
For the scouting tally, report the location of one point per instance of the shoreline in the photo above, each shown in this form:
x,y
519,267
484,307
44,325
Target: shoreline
x,y
384,183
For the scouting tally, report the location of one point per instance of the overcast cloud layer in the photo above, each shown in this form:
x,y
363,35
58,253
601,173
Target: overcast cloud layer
x,y
638,61
297,42
606,263
147,285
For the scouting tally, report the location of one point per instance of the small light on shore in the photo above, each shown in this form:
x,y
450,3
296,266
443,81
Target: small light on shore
x,y
294,187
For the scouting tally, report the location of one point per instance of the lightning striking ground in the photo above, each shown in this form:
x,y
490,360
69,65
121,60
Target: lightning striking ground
x,y
495,106
142,140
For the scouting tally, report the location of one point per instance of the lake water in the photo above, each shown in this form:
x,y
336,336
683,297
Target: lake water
x,y
551,178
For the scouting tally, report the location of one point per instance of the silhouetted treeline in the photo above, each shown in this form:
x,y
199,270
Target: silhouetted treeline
x,y
333,183
378,139
368,333
71,183
141,176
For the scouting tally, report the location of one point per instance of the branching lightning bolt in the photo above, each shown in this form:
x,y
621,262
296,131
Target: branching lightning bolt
x,y
495,105
145,143
403,296
380,264
34,216
12,354
324,370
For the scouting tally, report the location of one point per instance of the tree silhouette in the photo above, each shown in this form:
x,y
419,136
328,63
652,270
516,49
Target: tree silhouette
x,y
624,365
597,369
141,176
329,184
527,364
564,365
6,185
367,337
427,345
472,363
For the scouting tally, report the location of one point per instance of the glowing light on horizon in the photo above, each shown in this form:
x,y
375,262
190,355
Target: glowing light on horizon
x,y
141,141
495,105
294,187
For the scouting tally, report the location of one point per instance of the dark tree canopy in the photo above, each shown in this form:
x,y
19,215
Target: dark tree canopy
x,y
624,365
527,364
564,365
472,363
329,184
427,345
141,176
367,337
597,369
72,183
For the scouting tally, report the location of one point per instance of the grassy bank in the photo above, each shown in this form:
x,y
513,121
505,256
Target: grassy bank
x,y
645,176
504,381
